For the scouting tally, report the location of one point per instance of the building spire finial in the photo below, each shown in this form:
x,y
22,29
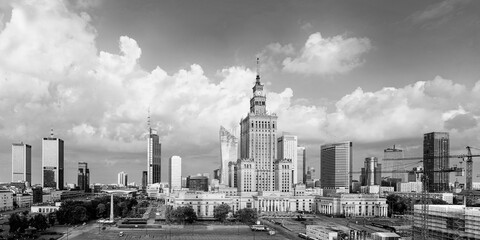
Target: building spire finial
x,y
51,132
148,122
258,70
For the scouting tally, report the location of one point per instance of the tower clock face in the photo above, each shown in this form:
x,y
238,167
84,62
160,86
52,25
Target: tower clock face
x,y
258,93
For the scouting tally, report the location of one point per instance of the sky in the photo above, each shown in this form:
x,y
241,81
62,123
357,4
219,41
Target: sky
x,y
374,72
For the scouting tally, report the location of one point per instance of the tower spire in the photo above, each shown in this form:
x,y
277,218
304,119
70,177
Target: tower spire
x,y
258,70
51,132
148,122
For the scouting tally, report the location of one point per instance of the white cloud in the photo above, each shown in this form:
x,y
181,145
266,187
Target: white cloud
x,y
439,11
335,55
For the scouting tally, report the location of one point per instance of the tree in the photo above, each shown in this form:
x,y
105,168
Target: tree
x,y
79,214
51,219
181,214
39,222
221,211
17,223
246,215
101,210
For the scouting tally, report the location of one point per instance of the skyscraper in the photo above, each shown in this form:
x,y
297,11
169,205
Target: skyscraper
x,y
144,179
336,165
436,148
154,157
371,173
52,162
122,179
258,139
83,176
228,152
21,162
287,149
302,164
397,166
175,172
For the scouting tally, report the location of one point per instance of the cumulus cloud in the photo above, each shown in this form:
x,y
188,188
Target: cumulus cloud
x,y
334,55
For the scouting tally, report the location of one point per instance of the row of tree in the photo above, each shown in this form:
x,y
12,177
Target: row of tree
x,y
186,214
401,205
20,221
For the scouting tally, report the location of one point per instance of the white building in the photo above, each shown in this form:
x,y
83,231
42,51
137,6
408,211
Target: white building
x,y
122,179
321,232
283,175
353,205
246,175
203,203
410,187
175,173
23,200
6,200
52,162
21,162
336,165
44,209
228,153
287,149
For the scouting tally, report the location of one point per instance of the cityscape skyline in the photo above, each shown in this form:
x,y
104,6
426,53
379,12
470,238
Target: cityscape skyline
x,y
402,70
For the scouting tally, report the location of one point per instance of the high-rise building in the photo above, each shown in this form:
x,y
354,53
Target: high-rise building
x,y
228,152
83,176
258,139
144,179
436,149
21,162
397,166
247,175
154,157
232,174
283,175
216,174
197,183
175,172
336,165
287,149
122,179
52,162
302,163
371,173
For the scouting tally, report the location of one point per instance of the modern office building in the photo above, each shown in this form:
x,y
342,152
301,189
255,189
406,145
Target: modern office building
x,y
283,175
397,167
258,139
336,165
232,174
21,163
371,173
154,157
52,162
83,176
302,163
436,149
122,179
228,153
175,173
247,175
287,149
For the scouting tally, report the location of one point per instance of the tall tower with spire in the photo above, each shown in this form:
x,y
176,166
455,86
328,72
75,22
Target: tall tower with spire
x,y
52,162
154,155
258,138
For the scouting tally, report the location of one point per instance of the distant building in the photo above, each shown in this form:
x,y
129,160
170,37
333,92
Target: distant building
x,y
228,153
184,182
216,174
83,176
52,162
287,149
154,157
352,205
175,170
37,193
410,187
197,183
397,166
371,173
416,174
283,175
310,174
336,165
6,202
232,174
122,179
23,200
144,179
302,163
21,162
247,175
436,149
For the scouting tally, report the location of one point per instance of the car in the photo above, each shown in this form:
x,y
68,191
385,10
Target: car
x,y
120,234
259,227
302,235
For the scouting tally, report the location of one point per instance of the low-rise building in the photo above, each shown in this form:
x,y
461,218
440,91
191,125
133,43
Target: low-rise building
x,y
275,201
447,197
352,205
203,203
44,209
23,200
6,200
410,187
321,232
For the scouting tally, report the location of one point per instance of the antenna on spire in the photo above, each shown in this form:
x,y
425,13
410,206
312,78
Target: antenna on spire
x,y
258,70
148,122
51,132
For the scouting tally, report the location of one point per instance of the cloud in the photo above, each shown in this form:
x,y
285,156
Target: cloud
x,y
438,12
323,56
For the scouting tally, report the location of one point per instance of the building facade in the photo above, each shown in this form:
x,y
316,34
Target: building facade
x,y
232,174
301,163
52,162
144,179
228,153
197,183
246,175
175,173
287,149
436,149
397,166
352,205
284,175
336,165
83,176
258,139
154,157
122,179
21,162
6,200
